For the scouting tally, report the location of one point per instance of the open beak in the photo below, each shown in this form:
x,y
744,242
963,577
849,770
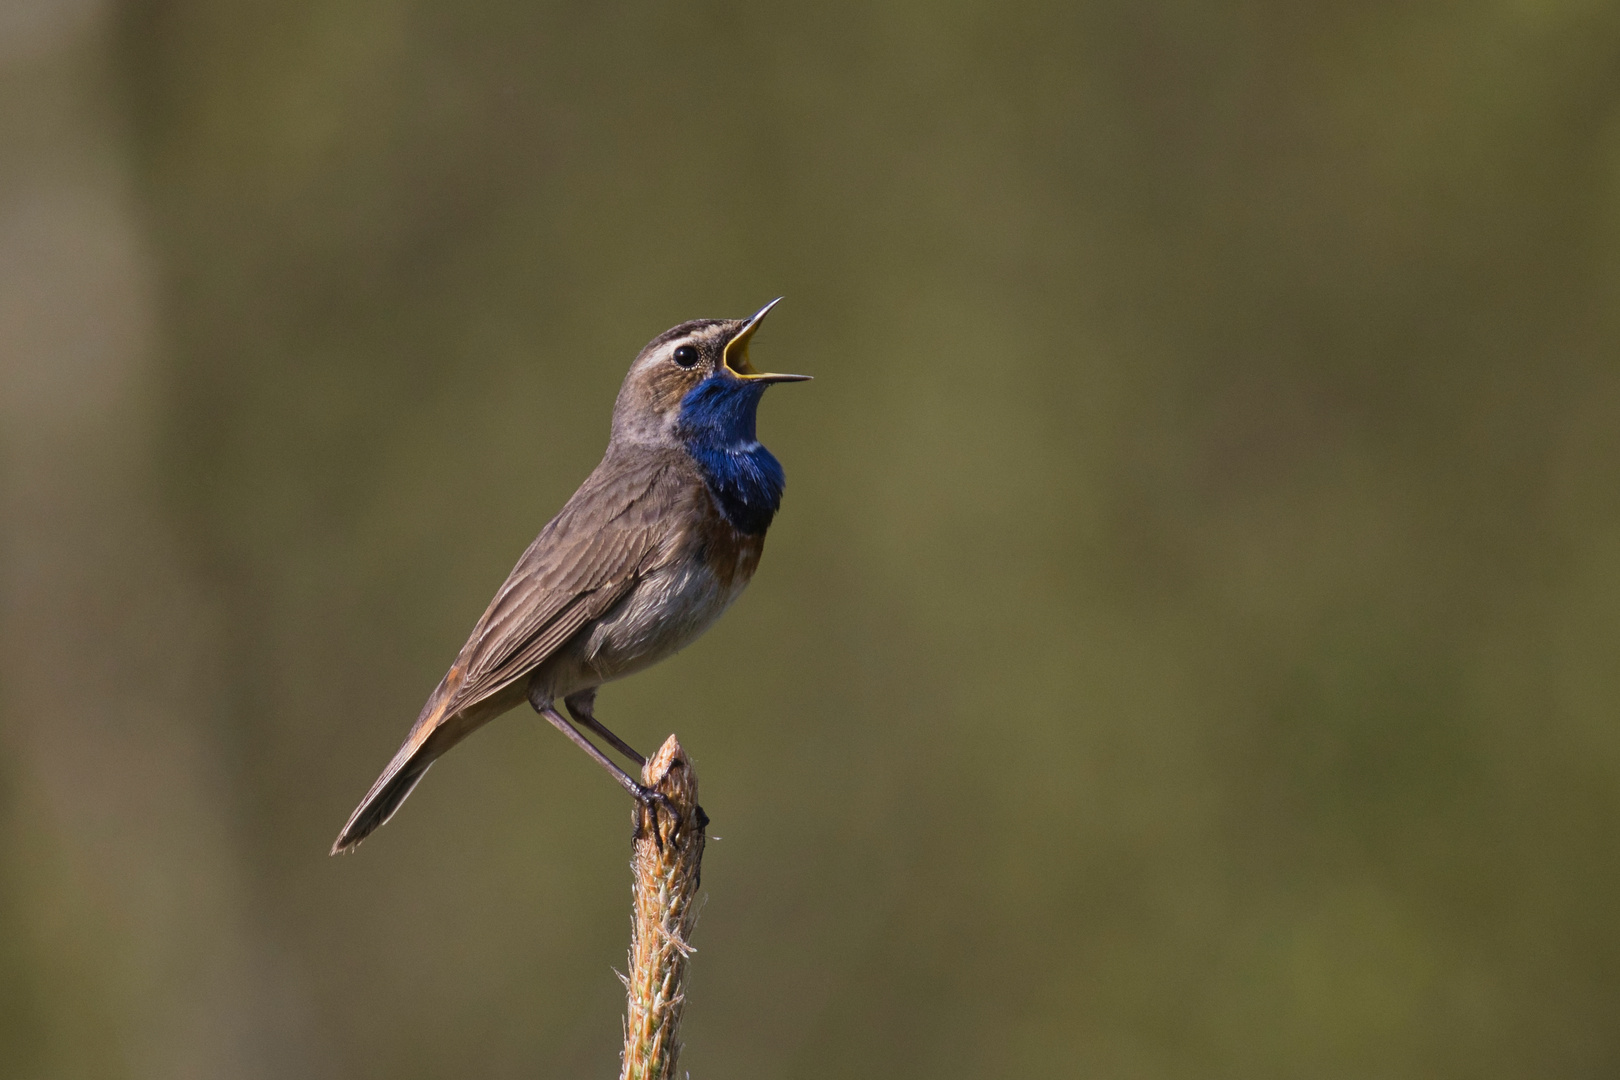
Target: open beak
x,y
735,356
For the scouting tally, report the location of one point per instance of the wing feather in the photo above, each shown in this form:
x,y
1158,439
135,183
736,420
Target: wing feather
x,y
590,555
620,525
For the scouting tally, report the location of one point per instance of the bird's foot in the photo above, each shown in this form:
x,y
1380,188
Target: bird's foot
x,y
650,799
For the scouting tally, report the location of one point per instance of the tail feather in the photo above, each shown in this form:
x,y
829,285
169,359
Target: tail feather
x,y
381,801
436,730
421,748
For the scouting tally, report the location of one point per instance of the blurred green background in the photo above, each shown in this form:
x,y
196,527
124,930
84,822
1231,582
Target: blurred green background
x,y
1187,649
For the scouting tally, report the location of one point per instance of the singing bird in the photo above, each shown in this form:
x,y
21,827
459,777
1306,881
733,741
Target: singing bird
x,y
651,549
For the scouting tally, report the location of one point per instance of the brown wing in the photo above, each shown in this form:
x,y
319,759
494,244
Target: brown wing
x,y
615,529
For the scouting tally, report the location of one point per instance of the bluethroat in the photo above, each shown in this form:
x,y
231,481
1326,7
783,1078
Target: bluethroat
x,y
651,549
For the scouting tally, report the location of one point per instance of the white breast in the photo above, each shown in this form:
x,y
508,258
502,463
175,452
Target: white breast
x,y
665,612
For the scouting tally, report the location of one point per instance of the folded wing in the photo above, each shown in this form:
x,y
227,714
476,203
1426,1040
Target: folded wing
x,y
613,531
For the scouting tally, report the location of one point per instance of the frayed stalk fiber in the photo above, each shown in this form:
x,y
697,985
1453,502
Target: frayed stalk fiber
x,y
668,864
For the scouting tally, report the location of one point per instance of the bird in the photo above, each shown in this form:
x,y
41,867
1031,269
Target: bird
x,y
654,546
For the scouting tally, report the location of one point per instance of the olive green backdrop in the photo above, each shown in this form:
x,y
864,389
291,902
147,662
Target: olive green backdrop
x,y
1189,647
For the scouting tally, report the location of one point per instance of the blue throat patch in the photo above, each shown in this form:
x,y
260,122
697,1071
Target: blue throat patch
x,y
717,425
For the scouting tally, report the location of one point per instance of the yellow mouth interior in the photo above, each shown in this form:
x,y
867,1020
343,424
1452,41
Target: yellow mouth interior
x,y
736,354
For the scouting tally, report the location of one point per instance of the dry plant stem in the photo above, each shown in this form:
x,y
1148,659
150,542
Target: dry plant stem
x,y
668,863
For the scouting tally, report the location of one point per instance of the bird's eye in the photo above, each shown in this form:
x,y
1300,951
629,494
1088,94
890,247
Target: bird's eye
x,y
686,356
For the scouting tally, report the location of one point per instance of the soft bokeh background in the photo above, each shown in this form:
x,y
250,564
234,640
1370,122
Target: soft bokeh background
x,y
1190,646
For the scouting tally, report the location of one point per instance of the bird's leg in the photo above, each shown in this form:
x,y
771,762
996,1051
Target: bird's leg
x,y
625,780
582,707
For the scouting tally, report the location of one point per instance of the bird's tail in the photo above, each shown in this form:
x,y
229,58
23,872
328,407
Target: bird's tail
x,y
391,788
427,740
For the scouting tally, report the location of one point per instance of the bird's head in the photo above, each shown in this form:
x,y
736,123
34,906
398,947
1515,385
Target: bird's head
x,y
694,376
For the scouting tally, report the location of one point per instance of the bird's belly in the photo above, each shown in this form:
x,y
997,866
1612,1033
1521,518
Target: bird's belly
x,y
665,612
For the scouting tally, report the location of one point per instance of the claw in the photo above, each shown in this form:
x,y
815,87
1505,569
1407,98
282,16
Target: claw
x,y
655,801
648,796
